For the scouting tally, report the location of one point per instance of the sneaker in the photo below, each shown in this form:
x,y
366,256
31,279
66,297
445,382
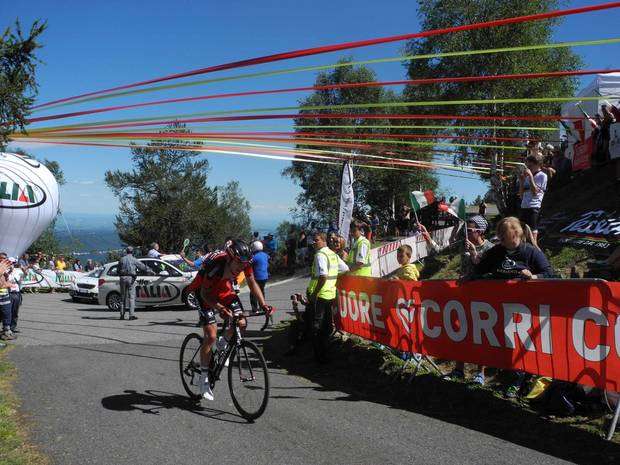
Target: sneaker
x,y
478,379
205,385
454,375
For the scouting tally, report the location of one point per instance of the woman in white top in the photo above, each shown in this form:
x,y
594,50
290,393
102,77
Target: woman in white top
x,y
532,187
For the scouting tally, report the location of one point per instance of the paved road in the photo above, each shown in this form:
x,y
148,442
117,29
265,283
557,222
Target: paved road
x,y
103,391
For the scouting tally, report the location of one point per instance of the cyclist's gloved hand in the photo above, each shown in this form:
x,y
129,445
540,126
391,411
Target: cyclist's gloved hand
x,y
226,312
268,309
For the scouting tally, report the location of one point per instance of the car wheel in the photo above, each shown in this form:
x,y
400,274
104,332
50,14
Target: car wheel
x,y
114,302
191,301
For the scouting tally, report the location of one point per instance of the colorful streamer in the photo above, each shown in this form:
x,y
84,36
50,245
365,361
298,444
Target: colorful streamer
x,y
351,45
295,153
193,117
552,74
338,65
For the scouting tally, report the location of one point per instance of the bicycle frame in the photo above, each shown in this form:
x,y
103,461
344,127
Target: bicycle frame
x,y
216,366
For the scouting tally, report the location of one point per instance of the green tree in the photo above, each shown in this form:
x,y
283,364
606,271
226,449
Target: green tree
x,y
437,14
165,198
375,189
18,86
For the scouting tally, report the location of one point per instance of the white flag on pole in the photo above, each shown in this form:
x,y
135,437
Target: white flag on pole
x,y
346,201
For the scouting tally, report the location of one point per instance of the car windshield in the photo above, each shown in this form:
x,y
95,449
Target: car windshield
x,y
95,273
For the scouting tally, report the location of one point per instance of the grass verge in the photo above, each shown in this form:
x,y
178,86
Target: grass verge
x,y
14,447
365,373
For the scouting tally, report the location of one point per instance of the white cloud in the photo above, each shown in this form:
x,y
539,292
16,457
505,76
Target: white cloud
x,y
271,207
83,183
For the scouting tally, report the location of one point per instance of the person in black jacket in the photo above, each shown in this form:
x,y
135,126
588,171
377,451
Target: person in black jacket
x,y
513,258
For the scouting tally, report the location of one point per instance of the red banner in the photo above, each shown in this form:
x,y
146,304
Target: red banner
x,y
582,158
568,330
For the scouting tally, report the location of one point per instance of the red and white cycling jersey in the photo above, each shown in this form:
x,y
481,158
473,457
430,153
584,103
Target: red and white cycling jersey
x,y
210,278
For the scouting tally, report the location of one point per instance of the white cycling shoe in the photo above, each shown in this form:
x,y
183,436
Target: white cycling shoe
x,y
205,386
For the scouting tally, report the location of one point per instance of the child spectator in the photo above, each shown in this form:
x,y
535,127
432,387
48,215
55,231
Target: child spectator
x,y
476,246
407,271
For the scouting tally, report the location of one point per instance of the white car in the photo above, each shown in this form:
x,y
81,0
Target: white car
x,y
86,287
165,288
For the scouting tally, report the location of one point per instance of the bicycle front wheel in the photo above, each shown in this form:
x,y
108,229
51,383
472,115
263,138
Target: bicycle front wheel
x,y
248,380
189,365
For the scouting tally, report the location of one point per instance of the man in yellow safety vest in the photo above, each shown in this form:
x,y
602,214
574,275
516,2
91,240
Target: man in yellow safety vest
x,y
359,255
321,293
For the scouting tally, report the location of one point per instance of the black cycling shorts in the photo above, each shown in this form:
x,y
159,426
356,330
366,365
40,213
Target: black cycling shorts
x,y
207,315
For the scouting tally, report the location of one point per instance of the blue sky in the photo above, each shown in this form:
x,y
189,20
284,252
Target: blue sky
x,y
97,44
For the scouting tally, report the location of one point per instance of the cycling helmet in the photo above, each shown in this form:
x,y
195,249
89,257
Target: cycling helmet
x,y
257,246
239,249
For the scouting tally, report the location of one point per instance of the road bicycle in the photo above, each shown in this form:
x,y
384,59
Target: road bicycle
x,y
248,378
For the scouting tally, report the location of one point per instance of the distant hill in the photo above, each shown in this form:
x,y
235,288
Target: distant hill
x,y
85,221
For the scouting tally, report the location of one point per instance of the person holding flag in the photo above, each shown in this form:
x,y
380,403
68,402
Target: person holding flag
x,y
476,246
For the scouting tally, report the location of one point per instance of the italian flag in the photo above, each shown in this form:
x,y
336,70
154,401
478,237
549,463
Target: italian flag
x,y
456,208
419,200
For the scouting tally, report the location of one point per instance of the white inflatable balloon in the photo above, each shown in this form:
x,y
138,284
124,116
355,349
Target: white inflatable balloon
x,y
29,201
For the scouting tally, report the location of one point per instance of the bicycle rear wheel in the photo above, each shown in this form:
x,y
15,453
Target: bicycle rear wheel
x,y
189,364
248,380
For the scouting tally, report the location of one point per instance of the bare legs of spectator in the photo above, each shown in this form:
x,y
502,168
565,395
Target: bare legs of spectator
x,y
253,300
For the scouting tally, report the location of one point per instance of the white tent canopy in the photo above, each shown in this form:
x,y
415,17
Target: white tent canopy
x,y
603,86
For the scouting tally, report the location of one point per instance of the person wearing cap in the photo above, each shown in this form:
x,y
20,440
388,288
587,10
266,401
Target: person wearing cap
x,y
476,246
128,267
260,266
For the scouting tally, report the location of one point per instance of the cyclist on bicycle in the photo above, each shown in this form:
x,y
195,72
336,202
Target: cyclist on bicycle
x,y
214,288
